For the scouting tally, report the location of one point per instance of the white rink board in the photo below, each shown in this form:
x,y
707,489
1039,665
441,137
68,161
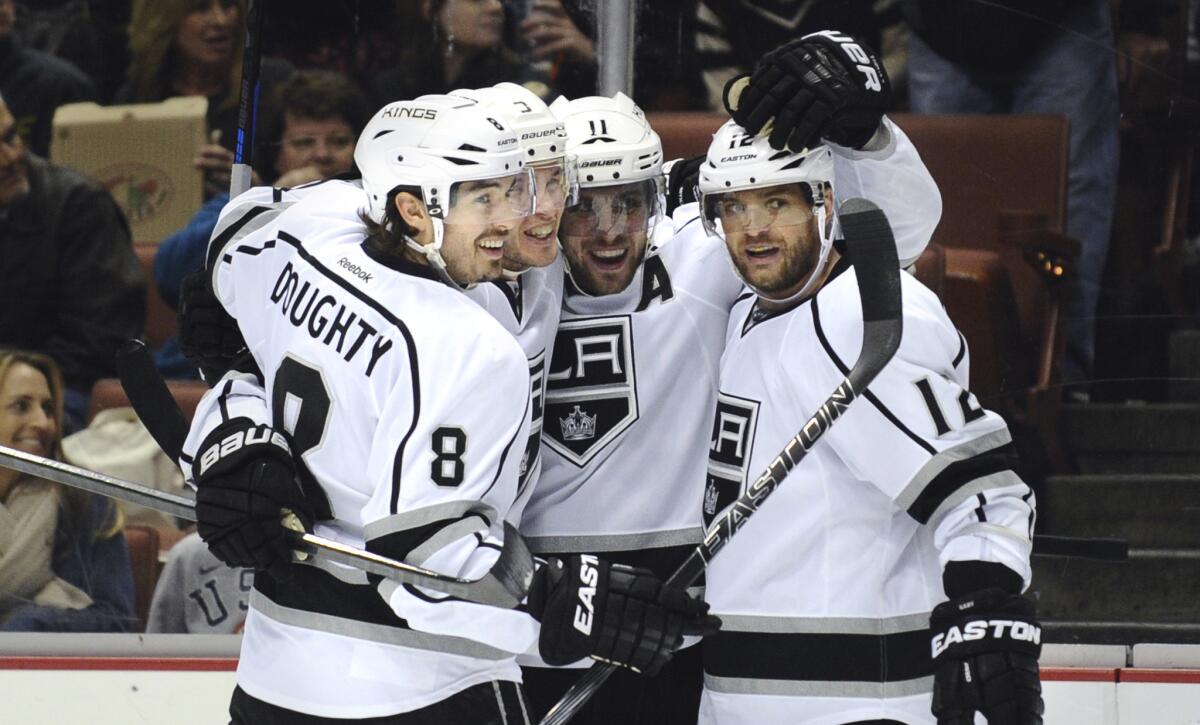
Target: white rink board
x,y
108,697
150,697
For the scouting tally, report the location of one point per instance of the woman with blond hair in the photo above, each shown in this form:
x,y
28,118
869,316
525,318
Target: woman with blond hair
x,y
63,562
194,48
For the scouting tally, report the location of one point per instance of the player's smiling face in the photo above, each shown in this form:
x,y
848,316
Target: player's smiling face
x,y
536,244
604,235
484,218
771,234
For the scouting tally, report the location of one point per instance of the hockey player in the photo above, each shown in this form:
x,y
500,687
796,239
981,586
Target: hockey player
x,y
389,413
909,501
632,382
528,300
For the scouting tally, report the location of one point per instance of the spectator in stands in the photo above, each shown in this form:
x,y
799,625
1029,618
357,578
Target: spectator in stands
x,y
72,286
452,44
560,33
198,594
308,130
92,35
194,48
731,35
1034,56
63,562
36,83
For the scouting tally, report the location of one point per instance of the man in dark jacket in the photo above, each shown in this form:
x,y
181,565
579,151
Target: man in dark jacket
x,y
70,286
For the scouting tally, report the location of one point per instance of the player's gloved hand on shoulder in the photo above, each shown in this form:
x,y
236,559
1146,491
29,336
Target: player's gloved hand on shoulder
x,y
985,659
825,85
245,479
208,337
613,613
683,175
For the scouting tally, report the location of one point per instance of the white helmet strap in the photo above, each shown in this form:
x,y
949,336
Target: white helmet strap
x,y
433,254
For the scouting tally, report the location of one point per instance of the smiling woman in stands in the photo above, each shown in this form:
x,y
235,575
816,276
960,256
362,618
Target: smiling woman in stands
x,y
63,562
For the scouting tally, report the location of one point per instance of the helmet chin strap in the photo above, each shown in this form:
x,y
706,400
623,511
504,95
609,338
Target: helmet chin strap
x,y
433,255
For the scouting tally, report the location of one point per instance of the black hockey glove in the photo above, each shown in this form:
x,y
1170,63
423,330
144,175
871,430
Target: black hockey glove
x,y
617,614
245,478
825,85
985,658
208,337
682,177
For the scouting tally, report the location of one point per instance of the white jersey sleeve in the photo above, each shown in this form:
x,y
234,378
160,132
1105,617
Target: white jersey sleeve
x,y
918,434
237,395
891,174
437,503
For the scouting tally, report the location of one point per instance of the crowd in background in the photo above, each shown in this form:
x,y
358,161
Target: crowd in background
x,y
73,290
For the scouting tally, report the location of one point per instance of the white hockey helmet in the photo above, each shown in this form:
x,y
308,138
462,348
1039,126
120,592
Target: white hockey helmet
x,y
611,140
433,143
738,161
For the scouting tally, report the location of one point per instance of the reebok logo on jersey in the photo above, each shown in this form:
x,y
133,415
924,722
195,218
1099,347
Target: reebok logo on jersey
x,y
589,576
354,269
238,440
987,628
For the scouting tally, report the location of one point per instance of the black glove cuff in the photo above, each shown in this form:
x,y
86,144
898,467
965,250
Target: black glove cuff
x,y
235,442
565,597
961,578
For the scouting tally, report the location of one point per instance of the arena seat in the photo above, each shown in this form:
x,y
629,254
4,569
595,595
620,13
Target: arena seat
x,y
142,542
108,393
160,318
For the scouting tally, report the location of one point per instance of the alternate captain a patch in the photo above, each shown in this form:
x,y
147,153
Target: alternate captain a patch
x,y
591,391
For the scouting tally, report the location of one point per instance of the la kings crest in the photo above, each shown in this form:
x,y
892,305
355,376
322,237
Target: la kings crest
x,y
591,389
728,452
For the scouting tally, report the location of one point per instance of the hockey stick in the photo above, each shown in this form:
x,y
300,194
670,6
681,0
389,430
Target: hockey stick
x,y
243,151
504,586
871,249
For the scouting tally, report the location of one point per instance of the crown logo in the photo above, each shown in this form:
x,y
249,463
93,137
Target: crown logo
x,y
710,499
578,426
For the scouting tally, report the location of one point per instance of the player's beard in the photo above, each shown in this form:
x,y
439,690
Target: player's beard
x,y
590,277
796,260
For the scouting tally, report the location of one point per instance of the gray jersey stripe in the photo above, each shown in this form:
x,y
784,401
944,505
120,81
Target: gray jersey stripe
x,y
970,490
614,542
939,462
824,625
811,688
420,517
443,537
380,633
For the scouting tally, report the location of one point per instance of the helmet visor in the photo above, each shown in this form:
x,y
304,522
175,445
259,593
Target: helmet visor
x,y
501,199
753,211
608,211
557,186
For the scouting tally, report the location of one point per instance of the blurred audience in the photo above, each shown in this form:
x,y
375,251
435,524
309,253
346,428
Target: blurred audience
x,y
64,566
1034,56
194,48
35,83
307,132
198,594
72,285
92,35
731,35
450,44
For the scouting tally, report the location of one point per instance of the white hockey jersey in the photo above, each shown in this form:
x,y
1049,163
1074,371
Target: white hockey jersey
x,y
632,381
529,308
825,593
408,405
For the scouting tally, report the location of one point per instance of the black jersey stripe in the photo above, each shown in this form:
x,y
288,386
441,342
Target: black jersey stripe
x,y
398,460
816,315
820,657
962,350
223,401
663,561
255,251
979,512
218,242
958,474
